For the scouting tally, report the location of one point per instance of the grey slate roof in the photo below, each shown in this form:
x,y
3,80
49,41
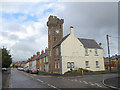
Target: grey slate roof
x,y
89,43
61,41
42,56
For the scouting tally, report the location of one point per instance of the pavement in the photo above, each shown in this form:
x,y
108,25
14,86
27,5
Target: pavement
x,y
112,82
6,78
20,79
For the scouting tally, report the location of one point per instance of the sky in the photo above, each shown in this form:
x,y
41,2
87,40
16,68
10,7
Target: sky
x,y
23,28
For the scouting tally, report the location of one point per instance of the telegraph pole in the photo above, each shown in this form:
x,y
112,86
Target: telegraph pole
x,y
108,52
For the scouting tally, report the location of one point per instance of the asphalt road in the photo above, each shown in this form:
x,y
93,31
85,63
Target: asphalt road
x,y
20,79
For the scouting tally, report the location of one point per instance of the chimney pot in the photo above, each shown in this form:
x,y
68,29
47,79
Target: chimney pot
x,y
71,27
72,30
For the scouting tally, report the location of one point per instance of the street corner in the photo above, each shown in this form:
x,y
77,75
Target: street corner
x,y
111,83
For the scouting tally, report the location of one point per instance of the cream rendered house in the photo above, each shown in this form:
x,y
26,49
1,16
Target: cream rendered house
x,y
80,53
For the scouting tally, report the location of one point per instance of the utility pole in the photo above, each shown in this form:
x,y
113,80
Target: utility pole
x,y
108,52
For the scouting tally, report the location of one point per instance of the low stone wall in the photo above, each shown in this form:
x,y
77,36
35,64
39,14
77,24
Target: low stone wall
x,y
76,73
85,73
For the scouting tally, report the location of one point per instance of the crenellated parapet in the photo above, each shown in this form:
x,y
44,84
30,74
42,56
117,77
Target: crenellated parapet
x,y
54,21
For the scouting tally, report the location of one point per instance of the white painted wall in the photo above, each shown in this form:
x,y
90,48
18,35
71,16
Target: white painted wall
x,y
72,50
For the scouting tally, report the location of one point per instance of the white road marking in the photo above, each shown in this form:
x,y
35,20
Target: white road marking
x,y
51,86
80,81
92,84
98,85
85,82
39,80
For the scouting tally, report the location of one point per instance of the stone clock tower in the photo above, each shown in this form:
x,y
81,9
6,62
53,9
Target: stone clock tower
x,y
55,34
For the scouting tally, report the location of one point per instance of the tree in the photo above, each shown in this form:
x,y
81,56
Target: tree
x,y
6,58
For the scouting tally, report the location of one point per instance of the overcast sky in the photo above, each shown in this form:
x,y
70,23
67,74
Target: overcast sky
x,y
23,28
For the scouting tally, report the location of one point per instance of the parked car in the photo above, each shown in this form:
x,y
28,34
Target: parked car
x,y
29,70
34,70
4,69
20,68
26,70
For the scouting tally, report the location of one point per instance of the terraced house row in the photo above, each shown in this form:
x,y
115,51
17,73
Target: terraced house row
x,y
68,52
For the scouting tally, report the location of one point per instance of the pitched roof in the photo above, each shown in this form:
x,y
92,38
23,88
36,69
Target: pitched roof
x,y
61,41
42,56
89,43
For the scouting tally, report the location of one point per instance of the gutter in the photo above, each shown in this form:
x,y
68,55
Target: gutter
x,y
112,87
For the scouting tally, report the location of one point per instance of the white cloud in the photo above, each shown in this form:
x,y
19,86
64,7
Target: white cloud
x,y
26,38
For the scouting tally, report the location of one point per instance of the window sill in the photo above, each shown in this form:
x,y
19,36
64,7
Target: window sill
x,y
98,67
96,55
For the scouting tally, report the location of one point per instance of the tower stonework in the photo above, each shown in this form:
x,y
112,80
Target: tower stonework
x,y
55,34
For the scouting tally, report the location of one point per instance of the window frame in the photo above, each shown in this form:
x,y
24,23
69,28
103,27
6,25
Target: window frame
x,y
96,52
97,64
46,59
86,51
55,65
87,64
71,64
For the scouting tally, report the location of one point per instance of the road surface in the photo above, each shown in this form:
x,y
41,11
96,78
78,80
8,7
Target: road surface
x,y
20,79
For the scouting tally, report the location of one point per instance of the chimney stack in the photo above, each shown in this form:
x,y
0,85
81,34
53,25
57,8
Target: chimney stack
x,y
34,56
38,53
72,30
42,52
46,50
31,58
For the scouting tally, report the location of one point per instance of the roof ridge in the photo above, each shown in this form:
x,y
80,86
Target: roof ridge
x,y
86,38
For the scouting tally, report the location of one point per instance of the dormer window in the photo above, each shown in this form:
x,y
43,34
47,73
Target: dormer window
x,y
96,52
86,52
